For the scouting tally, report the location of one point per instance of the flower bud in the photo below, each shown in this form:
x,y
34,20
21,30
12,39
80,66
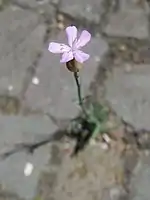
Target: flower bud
x,y
73,65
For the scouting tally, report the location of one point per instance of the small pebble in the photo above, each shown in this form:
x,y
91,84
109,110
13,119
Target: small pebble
x,y
106,138
35,81
10,87
66,146
122,48
61,26
60,17
114,193
28,169
104,146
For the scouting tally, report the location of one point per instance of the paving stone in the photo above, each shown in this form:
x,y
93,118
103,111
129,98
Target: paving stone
x,y
21,38
31,3
56,92
133,5
128,94
18,129
128,24
139,187
41,6
131,20
12,172
23,129
90,10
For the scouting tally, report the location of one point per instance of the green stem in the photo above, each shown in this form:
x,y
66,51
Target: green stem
x,y
76,76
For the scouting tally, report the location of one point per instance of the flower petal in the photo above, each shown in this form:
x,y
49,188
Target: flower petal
x,y
84,38
80,56
71,32
58,48
67,56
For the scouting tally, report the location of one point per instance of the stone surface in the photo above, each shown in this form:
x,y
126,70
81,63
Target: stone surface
x,y
128,24
139,185
31,3
133,5
57,92
23,129
90,10
20,129
93,174
130,20
12,172
40,6
84,177
21,38
128,94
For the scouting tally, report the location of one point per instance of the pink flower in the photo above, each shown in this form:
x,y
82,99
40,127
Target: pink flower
x,y
73,50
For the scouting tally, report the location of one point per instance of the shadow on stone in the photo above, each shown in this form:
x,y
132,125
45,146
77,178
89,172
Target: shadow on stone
x,y
80,131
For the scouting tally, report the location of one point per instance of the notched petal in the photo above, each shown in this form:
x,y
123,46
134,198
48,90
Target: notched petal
x,y
84,38
71,32
80,56
58,48
67,56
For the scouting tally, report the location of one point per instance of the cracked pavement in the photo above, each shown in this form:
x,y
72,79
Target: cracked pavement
x,y
34,85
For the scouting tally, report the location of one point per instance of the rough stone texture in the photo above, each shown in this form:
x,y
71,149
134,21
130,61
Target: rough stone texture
x,y
19,129
21,38
85,177
128,94
41,6
131,20
23,129
128,24
140,180
12,172
57,92
31,3
133,5
93,174
90,10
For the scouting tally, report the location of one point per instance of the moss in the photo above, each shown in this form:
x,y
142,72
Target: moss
x,y
4,3
9,105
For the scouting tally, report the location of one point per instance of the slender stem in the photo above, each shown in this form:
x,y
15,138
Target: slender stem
x,y
76,76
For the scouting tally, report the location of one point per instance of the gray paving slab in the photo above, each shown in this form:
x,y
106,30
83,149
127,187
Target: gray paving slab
x,y
90,10
38,6
128,94
31,3
128,24
22,129
12,172
139,186
56,92
21,38
15,129
130,20
133,5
